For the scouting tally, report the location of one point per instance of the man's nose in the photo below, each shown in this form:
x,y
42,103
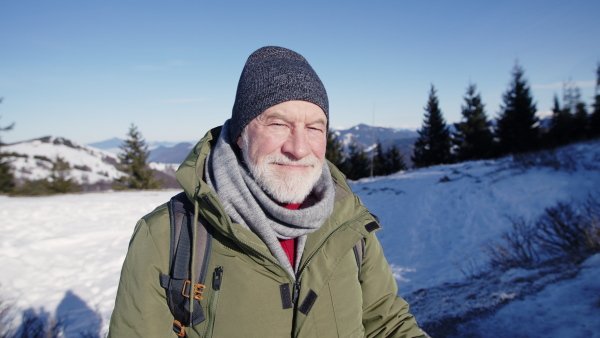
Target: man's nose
x,y
296,144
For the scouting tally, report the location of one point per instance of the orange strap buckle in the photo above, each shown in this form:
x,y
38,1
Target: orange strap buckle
x,y
198,289
178,328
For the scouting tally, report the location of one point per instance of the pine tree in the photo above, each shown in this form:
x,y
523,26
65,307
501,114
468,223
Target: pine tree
x,y
333,152
389,161
395,160
580,121
561,125
357,164
595,117
133,162
7,181
473,137
60,180
517,127
379,161
433,145
576,110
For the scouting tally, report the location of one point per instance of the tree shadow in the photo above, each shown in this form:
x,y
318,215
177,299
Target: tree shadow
x,y
73,319
80,320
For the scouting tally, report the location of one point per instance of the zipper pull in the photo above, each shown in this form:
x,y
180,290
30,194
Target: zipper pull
x,y
296,292
217,278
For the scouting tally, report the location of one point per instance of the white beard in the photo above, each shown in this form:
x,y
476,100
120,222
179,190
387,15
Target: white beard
x,y
284,188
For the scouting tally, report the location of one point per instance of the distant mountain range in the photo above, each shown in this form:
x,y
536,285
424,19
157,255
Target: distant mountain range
x,y
94,165
365,136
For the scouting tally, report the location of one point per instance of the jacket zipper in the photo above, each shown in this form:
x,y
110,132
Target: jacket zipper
x,y
214,297
296,292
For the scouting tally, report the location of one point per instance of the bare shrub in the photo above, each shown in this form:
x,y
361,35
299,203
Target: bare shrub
x,y
564,230
468,267
5,320
517,249
591,212
40,325
545,158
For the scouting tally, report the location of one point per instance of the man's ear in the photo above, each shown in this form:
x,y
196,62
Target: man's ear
x,y
239,141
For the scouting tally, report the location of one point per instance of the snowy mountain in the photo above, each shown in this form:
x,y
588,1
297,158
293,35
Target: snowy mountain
x,y
367,136
112,145
32,160
160,152
435,222
171,154
91,167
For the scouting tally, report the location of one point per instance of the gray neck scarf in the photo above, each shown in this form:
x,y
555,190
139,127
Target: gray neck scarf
x,y
248,205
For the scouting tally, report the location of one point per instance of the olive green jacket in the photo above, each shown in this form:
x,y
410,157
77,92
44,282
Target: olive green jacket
x,y
332,301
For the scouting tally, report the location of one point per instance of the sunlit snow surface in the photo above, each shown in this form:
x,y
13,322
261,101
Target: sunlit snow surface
x,y
63,254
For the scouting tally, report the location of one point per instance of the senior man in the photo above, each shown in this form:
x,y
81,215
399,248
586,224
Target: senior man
x,y
284,226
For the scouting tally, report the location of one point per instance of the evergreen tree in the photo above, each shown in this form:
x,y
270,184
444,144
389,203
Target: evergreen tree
x,y
576,110
433,145
60,180
357,165
395,160
473,137
333,152
580,121
595,117
6,175
389,161
379,161
571,96
133,162
561,125
517,127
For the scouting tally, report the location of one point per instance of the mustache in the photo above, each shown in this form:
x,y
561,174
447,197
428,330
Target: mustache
x,y
309,161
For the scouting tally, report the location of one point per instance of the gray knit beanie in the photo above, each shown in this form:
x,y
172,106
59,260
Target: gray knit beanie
x,y
273,75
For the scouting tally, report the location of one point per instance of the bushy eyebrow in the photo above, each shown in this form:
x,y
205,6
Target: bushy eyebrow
x,y
279,116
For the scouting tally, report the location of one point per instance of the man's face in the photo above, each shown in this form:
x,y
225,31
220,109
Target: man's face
x,y
284,148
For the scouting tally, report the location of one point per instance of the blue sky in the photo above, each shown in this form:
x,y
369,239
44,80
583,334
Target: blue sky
x,y
86,70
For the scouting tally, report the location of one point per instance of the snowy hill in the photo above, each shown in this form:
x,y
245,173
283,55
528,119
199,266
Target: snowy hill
x,y
434,220
92,167
33,159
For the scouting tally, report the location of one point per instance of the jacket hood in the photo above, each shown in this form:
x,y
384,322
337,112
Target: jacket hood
x,y
190,174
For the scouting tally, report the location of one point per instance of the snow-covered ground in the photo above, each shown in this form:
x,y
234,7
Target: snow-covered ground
x,y
63,254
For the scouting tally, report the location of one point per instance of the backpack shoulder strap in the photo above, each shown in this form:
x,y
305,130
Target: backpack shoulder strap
x,y
360,250
178,284
359,254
